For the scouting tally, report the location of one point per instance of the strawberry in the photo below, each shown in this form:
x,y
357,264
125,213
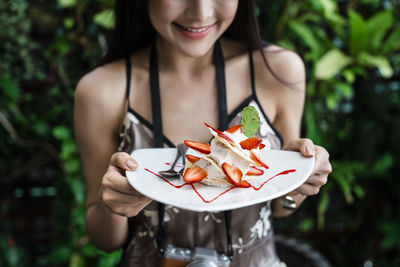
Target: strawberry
x,y
201,147
250,143
254,171
194,174
192,159
234,128
244,184
261,146
258,160
220,133
212,128
233,174
227,138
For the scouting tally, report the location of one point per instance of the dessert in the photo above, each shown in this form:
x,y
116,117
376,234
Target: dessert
x,y
230,158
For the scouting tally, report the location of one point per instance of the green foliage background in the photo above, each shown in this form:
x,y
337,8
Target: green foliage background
x,y
351,49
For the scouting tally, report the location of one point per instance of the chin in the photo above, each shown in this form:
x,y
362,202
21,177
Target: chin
x,y
195,48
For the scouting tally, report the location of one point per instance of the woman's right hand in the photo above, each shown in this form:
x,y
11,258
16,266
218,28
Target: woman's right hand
x,y
116,194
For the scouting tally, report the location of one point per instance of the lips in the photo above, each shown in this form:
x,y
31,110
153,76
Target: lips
x,y
194,33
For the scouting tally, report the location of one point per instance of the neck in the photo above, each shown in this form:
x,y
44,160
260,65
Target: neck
x,y
170,59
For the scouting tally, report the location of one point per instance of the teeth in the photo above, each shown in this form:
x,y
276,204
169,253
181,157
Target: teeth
x,y
195,29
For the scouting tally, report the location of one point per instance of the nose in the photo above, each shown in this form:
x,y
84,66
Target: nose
x,y
200,10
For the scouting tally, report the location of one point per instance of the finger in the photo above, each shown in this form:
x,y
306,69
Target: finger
x,y
318,180
303,145
123,161
322,164
308,189
117,182
126,205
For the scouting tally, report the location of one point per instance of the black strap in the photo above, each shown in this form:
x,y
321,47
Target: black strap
x,y
158,135
253,85
220,76
158,132
223,125
128,78
155,98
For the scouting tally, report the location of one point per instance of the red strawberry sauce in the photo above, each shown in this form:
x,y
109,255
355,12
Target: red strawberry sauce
x,y
224,192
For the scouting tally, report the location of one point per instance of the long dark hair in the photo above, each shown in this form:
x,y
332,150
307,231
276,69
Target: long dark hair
x,y
133,29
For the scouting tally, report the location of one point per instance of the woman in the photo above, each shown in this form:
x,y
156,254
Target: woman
x,y
192,61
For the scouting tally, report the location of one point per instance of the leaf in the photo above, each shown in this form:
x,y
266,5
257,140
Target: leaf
x,y
312,130
358,33
349,75
322,207
359,191
377,27
331,63
78,189
105,18
331,12
61,133
306,35
379,62
10,88
392,43
332,101
111,259
68,23
60,254
391,231
76,260
250,121
383,164
306,225
344,89
66,3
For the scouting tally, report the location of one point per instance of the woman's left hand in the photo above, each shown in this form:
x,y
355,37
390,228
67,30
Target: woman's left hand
x,y
322,166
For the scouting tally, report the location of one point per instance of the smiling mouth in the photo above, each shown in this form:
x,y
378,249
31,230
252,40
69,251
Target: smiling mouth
x,y
194,29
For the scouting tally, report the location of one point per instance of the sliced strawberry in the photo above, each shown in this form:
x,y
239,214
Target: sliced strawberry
x,y
227,138
201,147
250,143
234,128
194,174
258,160
261,146
212,128
244,184
192,159
220,133
233,174
254,171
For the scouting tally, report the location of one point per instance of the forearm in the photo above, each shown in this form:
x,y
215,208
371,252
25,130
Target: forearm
x,y
107,230
278,211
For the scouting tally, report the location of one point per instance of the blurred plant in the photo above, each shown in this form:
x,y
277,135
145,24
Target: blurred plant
x,y
352,54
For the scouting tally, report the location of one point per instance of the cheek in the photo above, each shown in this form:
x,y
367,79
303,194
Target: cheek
x,y
161,11
228,10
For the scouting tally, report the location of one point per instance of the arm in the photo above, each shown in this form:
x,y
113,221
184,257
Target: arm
x,y
289,110
110,199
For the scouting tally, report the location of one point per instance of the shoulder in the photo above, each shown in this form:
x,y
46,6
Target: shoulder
x,y
103,87
285,67
102,82
281,78
100,95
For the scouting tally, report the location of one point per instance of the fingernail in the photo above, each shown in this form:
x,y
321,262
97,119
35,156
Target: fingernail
x,y
310,150
131,164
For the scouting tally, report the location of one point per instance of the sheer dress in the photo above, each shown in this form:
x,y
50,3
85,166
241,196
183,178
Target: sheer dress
x,y
252,233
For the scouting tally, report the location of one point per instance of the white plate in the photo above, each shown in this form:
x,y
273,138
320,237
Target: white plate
x,y
294,169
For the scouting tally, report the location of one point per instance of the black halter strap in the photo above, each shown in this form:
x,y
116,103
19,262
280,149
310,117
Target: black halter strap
x,y
218,60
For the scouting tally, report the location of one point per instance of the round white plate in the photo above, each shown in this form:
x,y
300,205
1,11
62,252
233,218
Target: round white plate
x,y
287,171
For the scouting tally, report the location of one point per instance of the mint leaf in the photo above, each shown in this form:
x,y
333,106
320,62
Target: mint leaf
x,y
250,121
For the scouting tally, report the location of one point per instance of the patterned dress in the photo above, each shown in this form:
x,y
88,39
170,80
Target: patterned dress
x,y
252,234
